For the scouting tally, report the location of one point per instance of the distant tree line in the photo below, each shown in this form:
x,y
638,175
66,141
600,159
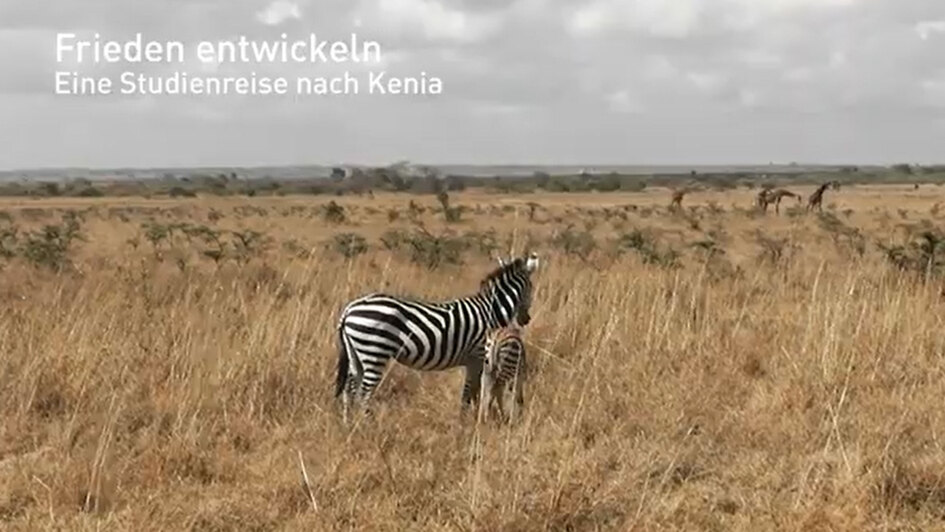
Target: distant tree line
x,y
403,178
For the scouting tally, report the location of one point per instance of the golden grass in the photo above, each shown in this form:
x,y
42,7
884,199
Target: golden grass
x,y
804,394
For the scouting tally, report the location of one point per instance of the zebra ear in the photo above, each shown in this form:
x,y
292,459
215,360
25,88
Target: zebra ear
x,y
532,263
501,262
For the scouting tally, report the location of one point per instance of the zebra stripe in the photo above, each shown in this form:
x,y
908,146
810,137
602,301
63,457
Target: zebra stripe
x,y
505,354
425,336
505,370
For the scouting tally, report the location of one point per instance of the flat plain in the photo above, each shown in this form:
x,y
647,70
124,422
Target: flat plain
x,y
168,363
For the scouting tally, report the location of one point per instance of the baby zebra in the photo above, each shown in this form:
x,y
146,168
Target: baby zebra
x,y
504,370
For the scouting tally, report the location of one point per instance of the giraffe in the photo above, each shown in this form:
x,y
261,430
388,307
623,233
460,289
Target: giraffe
x,y
678,195
816,199
761,200
775,196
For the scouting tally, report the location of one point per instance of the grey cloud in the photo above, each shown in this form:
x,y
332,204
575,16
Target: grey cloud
x,y
730,80
26,61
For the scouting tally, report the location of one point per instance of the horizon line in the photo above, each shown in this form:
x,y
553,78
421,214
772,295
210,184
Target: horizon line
x,y
587,165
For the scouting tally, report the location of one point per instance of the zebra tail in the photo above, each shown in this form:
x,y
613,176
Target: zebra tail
x,y
342,378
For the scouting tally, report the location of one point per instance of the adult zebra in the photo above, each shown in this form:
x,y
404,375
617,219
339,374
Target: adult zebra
x,y
429,336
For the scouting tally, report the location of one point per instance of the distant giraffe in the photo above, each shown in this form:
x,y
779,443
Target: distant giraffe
x,y
775,196
817,198
678,195
761,200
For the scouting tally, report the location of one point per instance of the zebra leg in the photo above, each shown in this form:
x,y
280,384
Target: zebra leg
x,y
472,387
349,398
519,402
500,402
349,374
485,387
372,370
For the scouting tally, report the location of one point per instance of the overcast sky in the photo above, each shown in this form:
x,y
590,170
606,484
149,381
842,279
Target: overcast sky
x,y
524,81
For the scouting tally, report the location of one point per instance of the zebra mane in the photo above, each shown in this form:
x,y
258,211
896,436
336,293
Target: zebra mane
x,y
517,265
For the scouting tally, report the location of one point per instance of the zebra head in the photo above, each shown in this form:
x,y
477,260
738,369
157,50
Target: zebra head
x,y
509,289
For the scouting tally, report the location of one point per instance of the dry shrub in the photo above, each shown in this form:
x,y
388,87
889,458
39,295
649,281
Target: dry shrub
x,y
140,396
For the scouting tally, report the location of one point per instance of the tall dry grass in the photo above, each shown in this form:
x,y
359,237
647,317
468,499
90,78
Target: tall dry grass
x,y
805,394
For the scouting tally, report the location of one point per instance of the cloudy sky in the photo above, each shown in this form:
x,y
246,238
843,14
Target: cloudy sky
x,y
524,81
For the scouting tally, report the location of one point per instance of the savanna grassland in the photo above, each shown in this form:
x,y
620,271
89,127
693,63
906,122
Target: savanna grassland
x,y
166,362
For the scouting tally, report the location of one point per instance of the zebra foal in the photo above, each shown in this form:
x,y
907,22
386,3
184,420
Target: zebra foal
x,y
377,328
504,371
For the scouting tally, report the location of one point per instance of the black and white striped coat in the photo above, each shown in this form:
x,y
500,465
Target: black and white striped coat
x,y
505,371
425,336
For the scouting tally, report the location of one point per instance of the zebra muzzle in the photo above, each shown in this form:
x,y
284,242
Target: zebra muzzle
x,y
524,317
